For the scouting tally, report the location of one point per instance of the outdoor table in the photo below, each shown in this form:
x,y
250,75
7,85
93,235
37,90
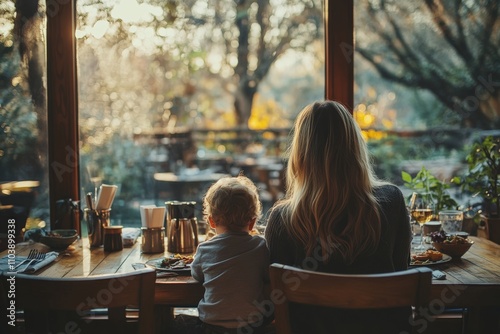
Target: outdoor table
x,y
187,187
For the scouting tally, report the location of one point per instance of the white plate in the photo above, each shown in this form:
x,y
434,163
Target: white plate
x,y
446,258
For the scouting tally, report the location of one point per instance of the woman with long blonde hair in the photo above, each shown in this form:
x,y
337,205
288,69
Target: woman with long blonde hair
x,y
336,215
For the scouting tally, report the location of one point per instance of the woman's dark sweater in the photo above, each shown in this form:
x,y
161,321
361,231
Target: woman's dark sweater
x,y
392,254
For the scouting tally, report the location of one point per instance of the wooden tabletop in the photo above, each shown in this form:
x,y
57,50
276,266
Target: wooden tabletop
x,y
473,283
473,280
80,260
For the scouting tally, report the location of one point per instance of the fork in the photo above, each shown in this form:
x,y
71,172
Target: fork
x,y
32,255
38,257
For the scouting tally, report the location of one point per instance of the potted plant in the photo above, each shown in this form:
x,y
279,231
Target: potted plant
x,y
435,191
428,185
482,179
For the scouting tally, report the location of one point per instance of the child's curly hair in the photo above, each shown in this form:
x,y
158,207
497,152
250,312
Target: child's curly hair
x,y
232,202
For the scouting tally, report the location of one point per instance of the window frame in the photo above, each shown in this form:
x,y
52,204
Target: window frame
x,y
62,89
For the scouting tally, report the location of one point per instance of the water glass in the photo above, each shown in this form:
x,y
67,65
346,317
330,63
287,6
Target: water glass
x,y
451,221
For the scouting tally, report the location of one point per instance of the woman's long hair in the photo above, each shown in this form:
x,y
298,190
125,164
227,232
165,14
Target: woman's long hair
x,y
330,185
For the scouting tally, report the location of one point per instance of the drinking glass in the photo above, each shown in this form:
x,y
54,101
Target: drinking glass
x,y
421,212
451,220
416,230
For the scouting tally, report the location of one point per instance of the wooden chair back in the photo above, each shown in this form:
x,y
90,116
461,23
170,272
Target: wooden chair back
x,y
43,297
375,291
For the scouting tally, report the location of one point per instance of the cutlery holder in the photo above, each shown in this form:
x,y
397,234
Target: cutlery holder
x,y
96,221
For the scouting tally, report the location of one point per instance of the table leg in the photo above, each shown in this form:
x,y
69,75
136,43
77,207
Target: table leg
x,y
164,316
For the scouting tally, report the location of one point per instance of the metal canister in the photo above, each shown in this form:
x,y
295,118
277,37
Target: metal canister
x,y
113,238
153,240
183,235
178,210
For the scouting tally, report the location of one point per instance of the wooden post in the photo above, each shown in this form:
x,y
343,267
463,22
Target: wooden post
x,y
339,51
62,105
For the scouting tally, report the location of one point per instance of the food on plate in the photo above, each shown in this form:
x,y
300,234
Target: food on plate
x,y
420,257
428,255
176,261
434,255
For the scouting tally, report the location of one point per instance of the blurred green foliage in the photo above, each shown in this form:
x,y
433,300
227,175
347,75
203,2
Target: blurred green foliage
x,y
483,175
428,185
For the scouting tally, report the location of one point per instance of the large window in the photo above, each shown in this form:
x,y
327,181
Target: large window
x,y
23,114
164,86
426,81
156,75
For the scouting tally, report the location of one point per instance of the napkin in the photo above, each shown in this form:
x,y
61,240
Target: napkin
x,y
152,216
7,268
145,213
106,196
130,235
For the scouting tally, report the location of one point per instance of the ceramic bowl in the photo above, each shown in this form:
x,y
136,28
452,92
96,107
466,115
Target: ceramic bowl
x,y
454,250
59,239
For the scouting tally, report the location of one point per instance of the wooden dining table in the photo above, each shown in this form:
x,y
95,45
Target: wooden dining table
x,y
472,282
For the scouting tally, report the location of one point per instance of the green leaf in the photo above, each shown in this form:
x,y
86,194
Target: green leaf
x,y
406,177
